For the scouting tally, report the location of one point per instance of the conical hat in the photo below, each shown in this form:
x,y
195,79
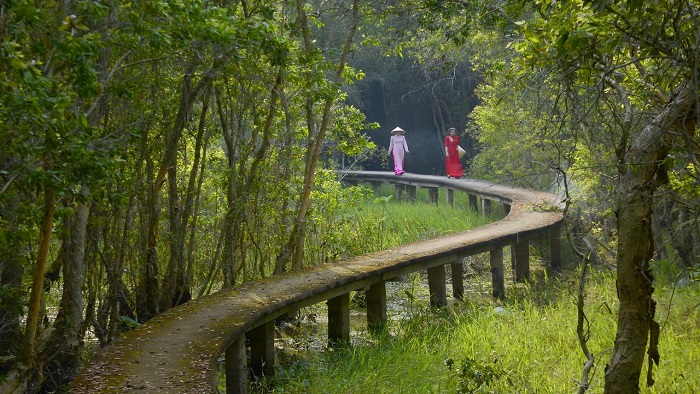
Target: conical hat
x,y
397,129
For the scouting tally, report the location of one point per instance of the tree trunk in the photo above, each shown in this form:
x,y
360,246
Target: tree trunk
x,y
112,225
634,288
682,237
174,288
11,272
63,352
16,380
171,278
96,231
293,249
192,243
241,183
235,208
147,291
642,172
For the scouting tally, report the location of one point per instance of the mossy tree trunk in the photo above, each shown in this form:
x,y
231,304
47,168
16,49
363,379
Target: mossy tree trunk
x,y
642,172
60,358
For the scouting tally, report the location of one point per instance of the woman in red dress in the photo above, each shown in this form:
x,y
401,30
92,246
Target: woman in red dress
x,y
453,164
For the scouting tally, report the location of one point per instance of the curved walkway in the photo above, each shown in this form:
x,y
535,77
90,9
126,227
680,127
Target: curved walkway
x,y
177,351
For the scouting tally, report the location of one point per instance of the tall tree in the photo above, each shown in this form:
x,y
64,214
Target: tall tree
x,y
618,81
626,69
58,91
644,55
60,357
106,117
293,249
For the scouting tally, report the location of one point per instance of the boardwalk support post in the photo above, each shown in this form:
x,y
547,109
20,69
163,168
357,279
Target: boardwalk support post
x,y
457,270
450,196
261,340
236,368
497,281
399,190
486,206
339,320
433,195
375,297
521,252
411,190
473,203
555,248
437,287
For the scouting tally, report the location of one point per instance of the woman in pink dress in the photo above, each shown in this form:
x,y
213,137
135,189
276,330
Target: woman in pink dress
x,y
453,164
398,148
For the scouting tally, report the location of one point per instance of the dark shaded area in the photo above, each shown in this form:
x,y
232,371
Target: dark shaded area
x,y
424,103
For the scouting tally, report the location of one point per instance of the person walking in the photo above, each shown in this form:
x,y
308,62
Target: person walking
x,y
453,163
398,149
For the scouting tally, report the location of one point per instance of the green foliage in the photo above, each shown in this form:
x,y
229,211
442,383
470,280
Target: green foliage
x,y
383,199
11,300
566,87
97,95
514,145
129,321
347,132
474,376
684,181
48,89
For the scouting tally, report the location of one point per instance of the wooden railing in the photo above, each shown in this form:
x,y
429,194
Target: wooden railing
x,y
178,351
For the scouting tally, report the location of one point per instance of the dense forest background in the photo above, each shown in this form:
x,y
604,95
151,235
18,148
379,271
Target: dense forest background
x,y
424,104
159,150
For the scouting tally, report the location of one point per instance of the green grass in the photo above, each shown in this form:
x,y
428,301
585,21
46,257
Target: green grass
x,y
525,344
382,222
364,221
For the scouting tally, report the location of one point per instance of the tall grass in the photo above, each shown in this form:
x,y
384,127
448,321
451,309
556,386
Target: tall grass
x,y
400,224
383,222
365,221
526,346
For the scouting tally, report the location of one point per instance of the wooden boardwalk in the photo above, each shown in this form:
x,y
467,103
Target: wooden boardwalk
x,y
178,351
